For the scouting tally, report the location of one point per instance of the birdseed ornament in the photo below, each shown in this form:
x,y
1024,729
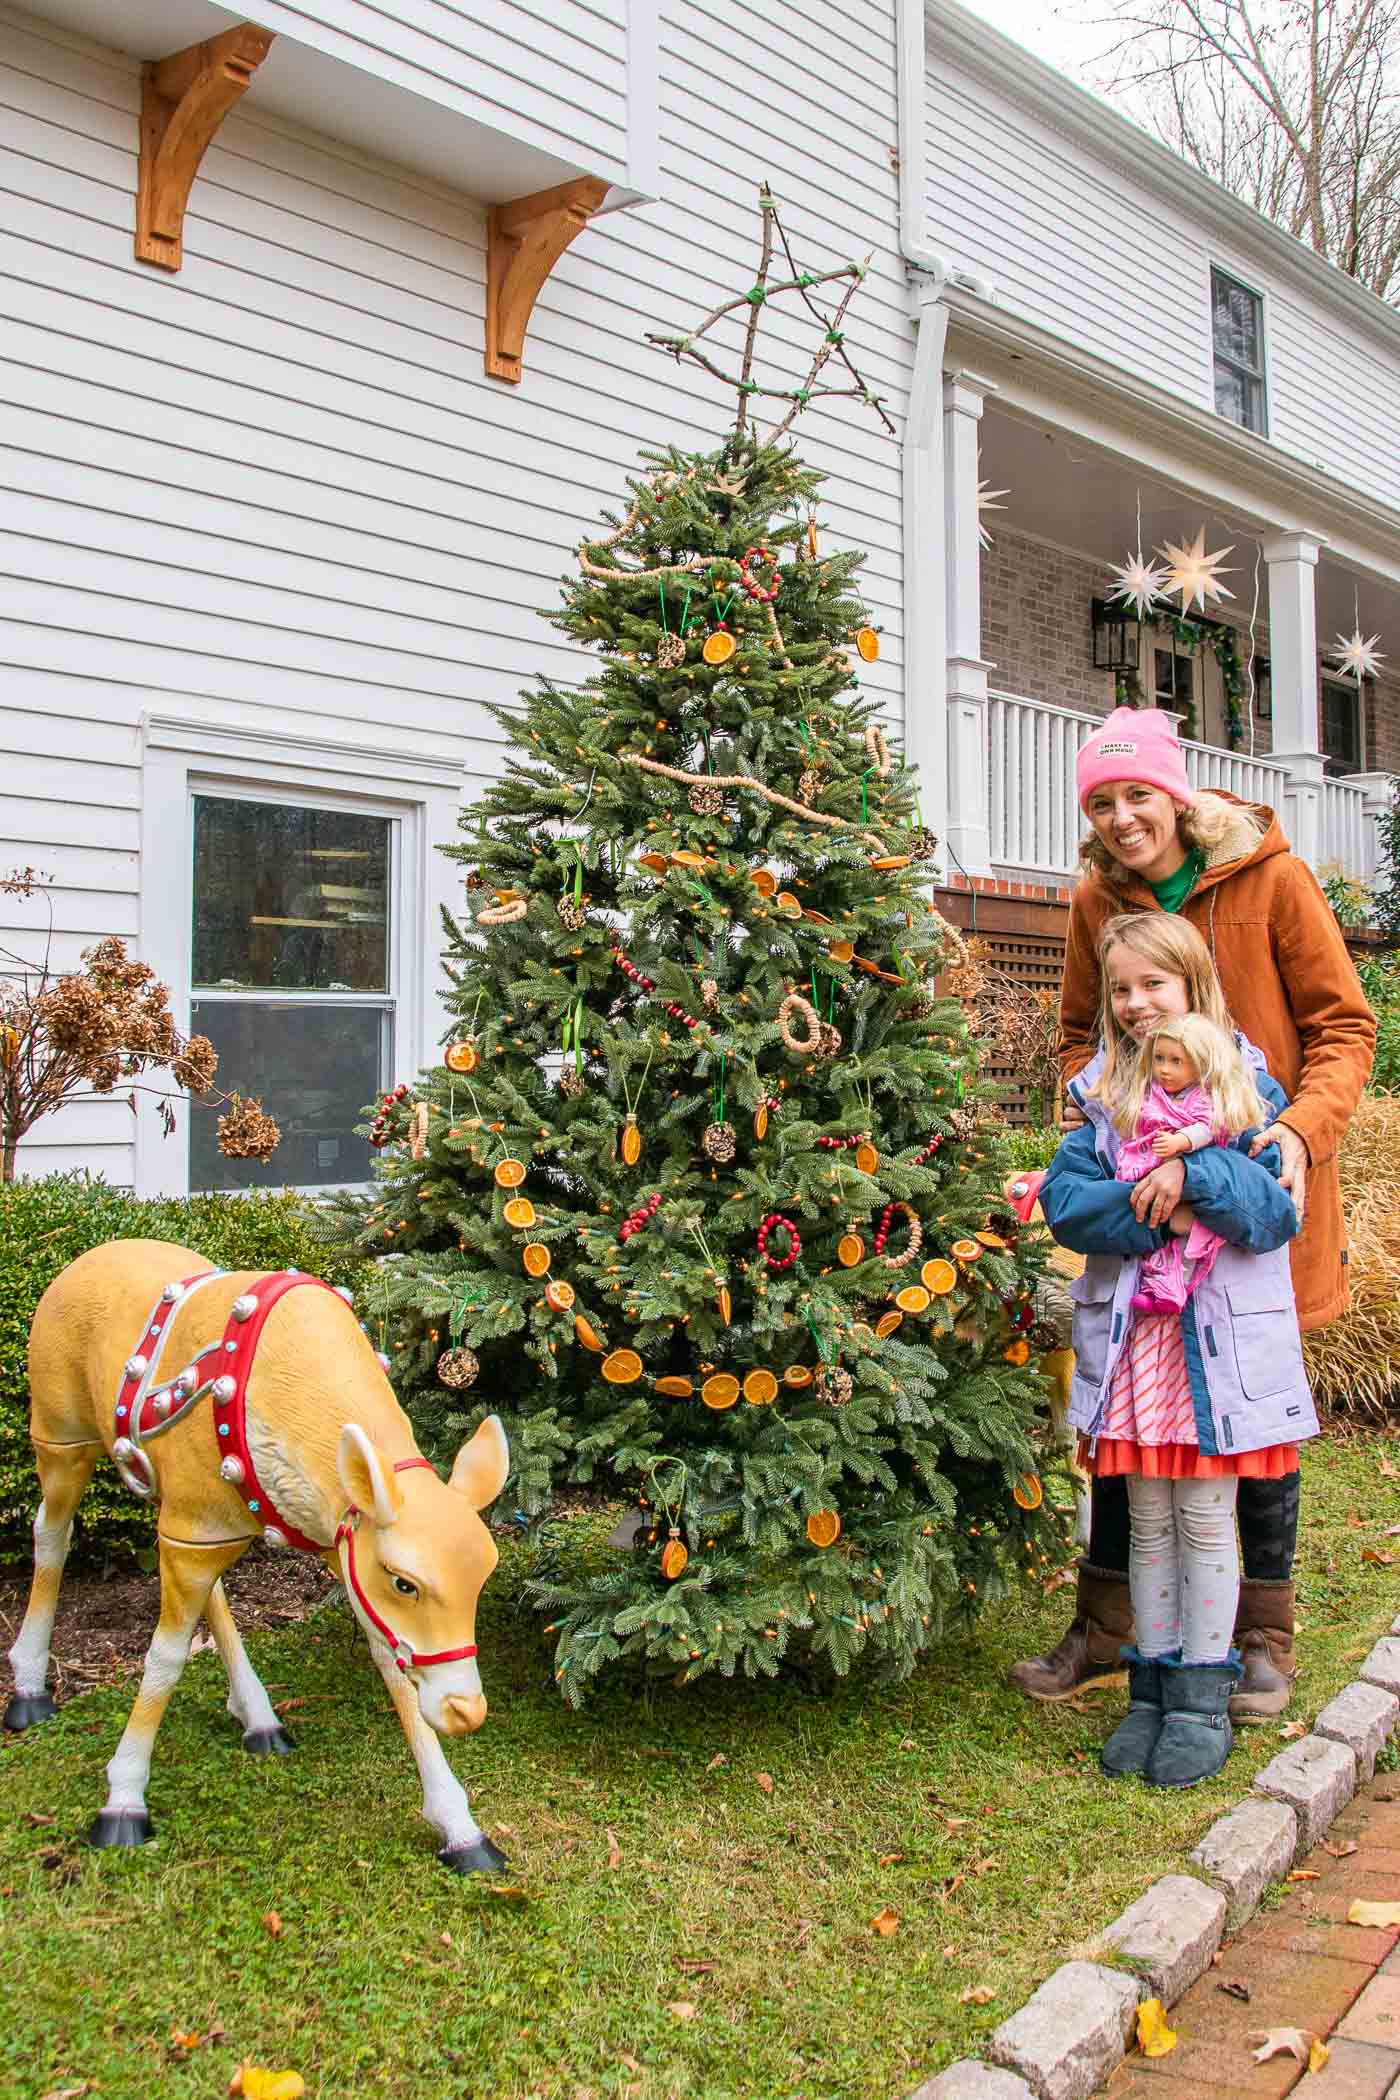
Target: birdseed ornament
x,y
833,1384
706,801
923,843
809,786
829,1041
571,1082
572,917
670,651
458,1368
720,1142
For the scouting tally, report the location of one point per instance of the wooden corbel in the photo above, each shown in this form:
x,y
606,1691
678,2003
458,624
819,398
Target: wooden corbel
x,y
184,100
524,241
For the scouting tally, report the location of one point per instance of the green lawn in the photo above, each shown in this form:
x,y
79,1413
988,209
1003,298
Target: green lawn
x,y
983,1823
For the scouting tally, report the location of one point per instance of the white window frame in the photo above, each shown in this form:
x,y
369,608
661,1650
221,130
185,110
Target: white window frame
x,y
419,795
1214,269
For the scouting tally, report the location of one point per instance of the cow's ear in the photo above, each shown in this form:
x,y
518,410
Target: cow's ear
x,y
480,1467
366,1477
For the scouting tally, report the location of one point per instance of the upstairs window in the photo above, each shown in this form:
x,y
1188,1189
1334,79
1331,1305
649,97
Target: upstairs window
x,y
1237,328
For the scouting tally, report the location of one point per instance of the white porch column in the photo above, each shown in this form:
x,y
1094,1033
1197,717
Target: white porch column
x,y
968,833
1377,790
1293,657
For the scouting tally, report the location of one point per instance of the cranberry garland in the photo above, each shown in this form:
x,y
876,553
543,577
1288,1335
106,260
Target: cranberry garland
x,y
894,1212
648,984
764,593
772,1223
844,1144
633,1225
929,1149
379,1128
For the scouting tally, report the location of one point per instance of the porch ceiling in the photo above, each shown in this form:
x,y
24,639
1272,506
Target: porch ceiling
x,y
1077,494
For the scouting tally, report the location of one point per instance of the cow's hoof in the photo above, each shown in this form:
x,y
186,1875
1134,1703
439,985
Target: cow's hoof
x,y
269,1742
124,1827
27,1710
482,1857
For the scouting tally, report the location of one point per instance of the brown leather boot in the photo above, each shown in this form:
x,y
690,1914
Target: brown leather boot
x,y
1264,1637
1088,1651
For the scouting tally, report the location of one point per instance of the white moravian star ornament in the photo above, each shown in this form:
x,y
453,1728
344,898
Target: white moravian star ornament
x,y
987,500
1194,573
1357,654
1138,584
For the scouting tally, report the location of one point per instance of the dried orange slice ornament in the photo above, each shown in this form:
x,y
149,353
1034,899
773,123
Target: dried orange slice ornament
x,y
559,1296
760,1120
631,1147
840,951
461,1056
867,1158
1028,1492
913,1299
675,1388
850,1250
718,647
887,1323
939,1277
510,1173
965,1250
721,1391
991,1239
587,1334
725,1303
674,1557
797,1375
760,1387
536,1258
684,858
867,645
520,1212
1017,1352
657,862
764,881
788,905
623,1367
823,1527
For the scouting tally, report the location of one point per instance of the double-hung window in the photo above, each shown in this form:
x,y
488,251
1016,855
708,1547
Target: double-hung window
x,y
1237,330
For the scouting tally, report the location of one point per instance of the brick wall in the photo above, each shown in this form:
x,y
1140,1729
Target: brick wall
x,y
1035,623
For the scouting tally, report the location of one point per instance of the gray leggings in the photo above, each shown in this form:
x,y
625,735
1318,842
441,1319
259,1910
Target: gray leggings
x,y
1184,1566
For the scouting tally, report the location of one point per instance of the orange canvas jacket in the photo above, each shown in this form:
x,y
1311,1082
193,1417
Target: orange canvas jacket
x,y
1289,984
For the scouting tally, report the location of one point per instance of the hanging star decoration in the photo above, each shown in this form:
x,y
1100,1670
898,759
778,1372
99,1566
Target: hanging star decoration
x,y
1194,573
1137,583
765,289
987,500
1357,655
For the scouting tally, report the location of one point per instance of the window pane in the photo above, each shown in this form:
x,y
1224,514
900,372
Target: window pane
x,y
1230,396
1341,726
315,1067
291,898
1236,317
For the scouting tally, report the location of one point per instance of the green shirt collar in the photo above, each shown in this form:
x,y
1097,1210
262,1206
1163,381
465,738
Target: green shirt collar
x,y
1174,891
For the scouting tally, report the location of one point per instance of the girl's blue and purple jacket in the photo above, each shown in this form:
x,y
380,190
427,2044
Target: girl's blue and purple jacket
x,y
1243,1349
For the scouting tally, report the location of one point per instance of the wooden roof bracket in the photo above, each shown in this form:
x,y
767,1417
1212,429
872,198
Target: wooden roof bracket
x,y
524,240
184,100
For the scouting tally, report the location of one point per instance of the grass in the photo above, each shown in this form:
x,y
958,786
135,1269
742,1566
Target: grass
x,y
981,1821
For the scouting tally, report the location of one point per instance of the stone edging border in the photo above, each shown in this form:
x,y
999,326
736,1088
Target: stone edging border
x,y
1076,2029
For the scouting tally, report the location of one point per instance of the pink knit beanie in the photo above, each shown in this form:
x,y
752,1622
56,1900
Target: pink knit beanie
x,y
1135,743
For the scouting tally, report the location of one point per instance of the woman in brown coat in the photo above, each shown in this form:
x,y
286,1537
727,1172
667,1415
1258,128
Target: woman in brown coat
x,y
1225,865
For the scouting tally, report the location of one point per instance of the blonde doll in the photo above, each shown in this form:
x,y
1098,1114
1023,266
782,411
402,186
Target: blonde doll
x,y
1190,1087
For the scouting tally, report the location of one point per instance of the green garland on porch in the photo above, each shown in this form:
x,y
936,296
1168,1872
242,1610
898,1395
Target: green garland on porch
x,y
1223,641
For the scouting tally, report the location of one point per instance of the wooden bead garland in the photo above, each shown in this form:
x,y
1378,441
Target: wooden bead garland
x,y
886,1225
796,1008
772,1223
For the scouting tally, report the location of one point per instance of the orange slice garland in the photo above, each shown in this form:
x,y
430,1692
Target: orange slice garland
x,y
764,881
720,1391
656,862
559,1296
760,1387
1028,1492
991,1239
797,1375
520,1211
587,1334
841,951
623,1367
788,905
824,1527
887,1323
675,1388
939,1277
536,1258
914,1299
510,1173
966,1250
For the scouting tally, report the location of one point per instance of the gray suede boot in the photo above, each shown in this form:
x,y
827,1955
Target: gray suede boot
x,y
1196,1735
1135,1738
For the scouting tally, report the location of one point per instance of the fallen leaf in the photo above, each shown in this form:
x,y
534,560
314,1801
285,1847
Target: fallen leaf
x,y
510,1889
288,1706
1342,1851
1364,1913
765,1780
976,1994
1296,2042
986,1866
885,1922
1371,1558
185,2039
614,1851
1155,2038
716,1761
35,1821
628,2063
1235,1990
1060,1581
1318,2054
70,2092
1392,1531
1354,1523
1304,1874
956,1822
1291,1730
272,1924
1082,1706
1387,1471
889,1859
951,1887
445,1939
255,2082
696,1968
682,2009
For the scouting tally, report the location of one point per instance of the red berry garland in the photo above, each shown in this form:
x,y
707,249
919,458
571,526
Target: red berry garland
x,y
929,1149
894,1212
379,1129
633,1225
771,1224
648,984
844,1144
764,593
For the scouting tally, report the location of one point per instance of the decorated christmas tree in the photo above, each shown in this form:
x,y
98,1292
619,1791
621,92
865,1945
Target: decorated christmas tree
x,y
702,1198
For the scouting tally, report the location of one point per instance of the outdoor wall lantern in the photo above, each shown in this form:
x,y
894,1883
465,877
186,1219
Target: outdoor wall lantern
x,y
1116,637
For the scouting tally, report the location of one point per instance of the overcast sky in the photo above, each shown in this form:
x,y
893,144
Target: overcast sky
x,y
1054,30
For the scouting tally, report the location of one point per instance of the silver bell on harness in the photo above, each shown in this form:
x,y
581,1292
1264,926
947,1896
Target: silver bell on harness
x,y
134,1467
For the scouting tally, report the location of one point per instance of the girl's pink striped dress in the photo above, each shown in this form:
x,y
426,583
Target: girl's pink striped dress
x,y
1149,1424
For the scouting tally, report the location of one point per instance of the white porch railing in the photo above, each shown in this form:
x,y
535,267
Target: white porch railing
x,y
1034,816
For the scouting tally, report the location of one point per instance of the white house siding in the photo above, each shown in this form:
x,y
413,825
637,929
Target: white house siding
x,y
549,73
1081,234
277,491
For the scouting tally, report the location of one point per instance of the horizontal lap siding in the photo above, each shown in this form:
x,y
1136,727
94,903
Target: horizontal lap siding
x,y
550,73
277,491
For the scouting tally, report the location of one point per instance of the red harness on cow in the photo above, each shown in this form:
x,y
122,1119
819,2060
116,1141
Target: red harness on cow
x,y
146,1408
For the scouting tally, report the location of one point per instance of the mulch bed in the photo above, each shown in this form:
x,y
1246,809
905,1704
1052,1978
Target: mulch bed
x,y
105,1620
